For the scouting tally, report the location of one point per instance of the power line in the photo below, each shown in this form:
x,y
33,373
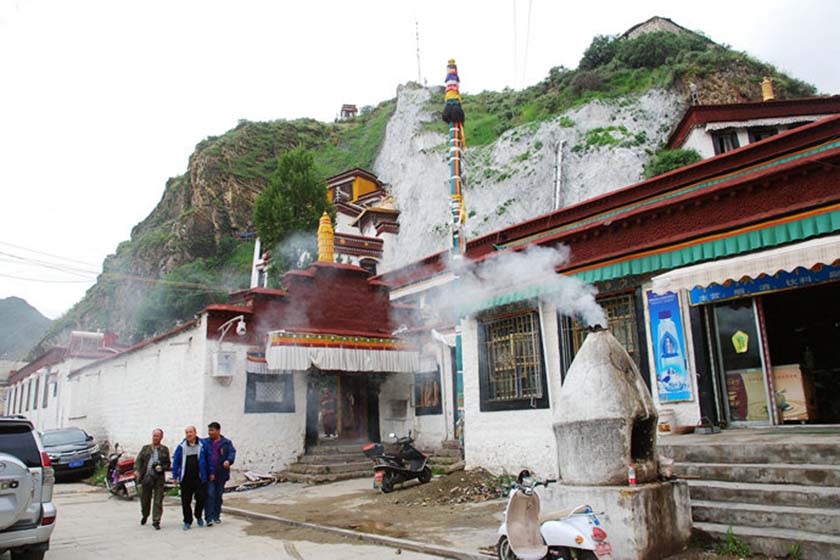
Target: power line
x,y
44,264
45,254
46,281
527,40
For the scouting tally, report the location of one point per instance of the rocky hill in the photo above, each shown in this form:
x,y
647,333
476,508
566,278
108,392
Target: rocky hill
x,y
577,134
21,327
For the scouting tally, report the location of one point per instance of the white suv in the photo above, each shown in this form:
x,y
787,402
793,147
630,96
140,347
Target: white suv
x,y
27,514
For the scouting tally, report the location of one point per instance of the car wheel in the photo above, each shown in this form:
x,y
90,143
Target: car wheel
x,y
28,554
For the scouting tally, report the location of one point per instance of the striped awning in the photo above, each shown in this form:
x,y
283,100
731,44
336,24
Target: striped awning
x,y
300,351
791,266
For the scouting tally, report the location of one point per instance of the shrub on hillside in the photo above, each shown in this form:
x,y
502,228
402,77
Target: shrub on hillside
x,y
600,51
655,49
668,160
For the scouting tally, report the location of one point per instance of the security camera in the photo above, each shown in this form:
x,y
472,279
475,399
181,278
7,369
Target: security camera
x,y
241,329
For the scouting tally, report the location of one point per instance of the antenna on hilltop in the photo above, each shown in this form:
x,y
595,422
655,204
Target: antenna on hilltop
x,y
417,33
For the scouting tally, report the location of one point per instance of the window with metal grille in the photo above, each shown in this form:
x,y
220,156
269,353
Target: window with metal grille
x,y
511,362
621,320
269,393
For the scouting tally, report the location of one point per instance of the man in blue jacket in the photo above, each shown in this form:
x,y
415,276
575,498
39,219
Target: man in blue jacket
x,y
192,469
222,456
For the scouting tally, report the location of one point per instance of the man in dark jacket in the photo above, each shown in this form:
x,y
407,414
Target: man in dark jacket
x,y
150,466
222,456
191,468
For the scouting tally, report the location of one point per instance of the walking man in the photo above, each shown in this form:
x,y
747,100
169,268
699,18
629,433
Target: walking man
x,y
191,468
151,464
222,456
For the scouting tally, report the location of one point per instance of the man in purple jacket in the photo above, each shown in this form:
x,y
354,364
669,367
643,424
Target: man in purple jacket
x,y
222,456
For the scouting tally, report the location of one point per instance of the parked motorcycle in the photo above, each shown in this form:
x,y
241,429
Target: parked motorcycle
x,y
120,478
390,469
525,535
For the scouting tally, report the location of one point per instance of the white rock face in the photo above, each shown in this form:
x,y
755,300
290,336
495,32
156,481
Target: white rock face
x,y
605,146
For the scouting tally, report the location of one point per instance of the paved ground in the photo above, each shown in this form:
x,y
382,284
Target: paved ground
x,y
92,526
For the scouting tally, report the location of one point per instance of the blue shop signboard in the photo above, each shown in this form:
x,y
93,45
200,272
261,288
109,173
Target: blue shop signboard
x,y
666,330
782,280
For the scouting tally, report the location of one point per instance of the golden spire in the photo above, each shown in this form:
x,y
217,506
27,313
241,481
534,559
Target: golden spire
x,y
767,89
326,236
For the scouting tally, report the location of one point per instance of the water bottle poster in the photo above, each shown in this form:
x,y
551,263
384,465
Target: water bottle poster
x,y
666,331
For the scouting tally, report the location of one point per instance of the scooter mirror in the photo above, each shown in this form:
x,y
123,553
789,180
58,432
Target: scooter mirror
x,y
523,475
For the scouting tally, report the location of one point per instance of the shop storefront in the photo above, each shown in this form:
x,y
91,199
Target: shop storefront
x,y
769,333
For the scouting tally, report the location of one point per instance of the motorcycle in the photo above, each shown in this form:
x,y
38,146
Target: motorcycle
x,y
524,534
120,478
390,469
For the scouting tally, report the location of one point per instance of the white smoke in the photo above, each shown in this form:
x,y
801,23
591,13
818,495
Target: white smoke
x,y
530,270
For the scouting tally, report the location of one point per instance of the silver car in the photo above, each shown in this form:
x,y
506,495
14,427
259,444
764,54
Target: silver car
x,y
27,514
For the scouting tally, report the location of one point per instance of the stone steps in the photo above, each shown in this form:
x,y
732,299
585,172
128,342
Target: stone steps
x,y
338,458
778,542
775,495
767,494
324,478
365,466
810,519
786,453
766,473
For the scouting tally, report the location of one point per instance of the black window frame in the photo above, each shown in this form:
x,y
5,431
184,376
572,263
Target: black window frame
x,y
759,133
253,406
526,403
718,139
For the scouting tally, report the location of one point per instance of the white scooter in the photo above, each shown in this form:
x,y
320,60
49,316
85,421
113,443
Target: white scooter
x,y
525,535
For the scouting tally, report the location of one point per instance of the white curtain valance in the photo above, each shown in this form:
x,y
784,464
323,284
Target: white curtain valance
x,y
301,351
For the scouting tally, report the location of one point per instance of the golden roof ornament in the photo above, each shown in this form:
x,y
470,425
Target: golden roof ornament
x,y
326,239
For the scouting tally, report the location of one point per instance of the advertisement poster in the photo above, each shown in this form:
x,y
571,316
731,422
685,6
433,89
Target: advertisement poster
x,y
666,330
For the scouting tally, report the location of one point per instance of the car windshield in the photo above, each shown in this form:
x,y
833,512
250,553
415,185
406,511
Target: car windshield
x,y
63,437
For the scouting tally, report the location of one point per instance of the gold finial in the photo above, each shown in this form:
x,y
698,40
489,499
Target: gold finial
x,y
326,237
767,89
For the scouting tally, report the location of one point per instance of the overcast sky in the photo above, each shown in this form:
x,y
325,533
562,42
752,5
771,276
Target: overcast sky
x,y
102,101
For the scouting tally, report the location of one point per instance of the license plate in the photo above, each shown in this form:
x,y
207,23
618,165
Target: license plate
x,y
130,485
603,549
75,464
377,479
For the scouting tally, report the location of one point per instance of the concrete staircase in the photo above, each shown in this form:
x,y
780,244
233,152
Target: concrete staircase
x,y
775,494
443,458
330,461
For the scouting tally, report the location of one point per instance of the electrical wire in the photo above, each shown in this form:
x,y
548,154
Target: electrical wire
x,y
527,40
46,281
45,254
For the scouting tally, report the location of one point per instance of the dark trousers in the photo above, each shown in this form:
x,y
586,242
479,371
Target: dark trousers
x,y
147,491
213,509
192,489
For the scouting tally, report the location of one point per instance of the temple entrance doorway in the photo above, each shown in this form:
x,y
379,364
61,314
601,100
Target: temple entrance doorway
x,y
341,406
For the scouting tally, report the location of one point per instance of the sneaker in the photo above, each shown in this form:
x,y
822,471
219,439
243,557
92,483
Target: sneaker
x,y
209,522
199,522
156,526
218,521
187,526
143,520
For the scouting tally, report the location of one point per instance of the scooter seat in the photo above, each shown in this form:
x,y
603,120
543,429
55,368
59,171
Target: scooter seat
x,y
556,515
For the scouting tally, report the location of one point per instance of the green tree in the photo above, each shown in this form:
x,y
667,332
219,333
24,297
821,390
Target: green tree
x,y
651,50
668,160
288,209
600,51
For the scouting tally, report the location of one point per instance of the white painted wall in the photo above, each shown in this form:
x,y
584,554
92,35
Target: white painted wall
x,y
508,441
267,441
395,387
432,429
158,386
698,139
